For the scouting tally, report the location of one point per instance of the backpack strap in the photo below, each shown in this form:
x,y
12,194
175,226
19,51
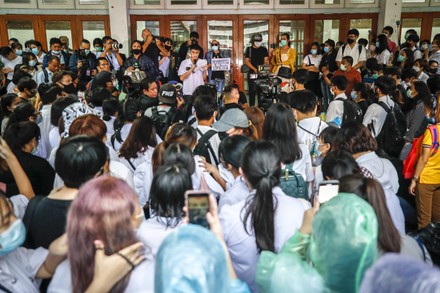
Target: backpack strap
x,y
46,76
4,289
191,121
385,107
27,221
315,135
204,138
131,165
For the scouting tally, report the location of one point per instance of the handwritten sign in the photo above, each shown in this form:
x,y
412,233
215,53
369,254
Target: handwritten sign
x,y
221,64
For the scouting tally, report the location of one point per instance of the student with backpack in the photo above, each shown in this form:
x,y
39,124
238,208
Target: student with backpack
x,y
208,140
341,109
385,119
168,111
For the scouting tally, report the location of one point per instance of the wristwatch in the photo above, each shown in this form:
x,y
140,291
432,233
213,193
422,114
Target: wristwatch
x,y
416,179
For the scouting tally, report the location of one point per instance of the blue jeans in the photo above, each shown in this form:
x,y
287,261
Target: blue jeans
x,y
326,95
219,83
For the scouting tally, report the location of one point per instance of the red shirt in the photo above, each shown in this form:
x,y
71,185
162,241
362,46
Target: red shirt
x,y
392,46
353,76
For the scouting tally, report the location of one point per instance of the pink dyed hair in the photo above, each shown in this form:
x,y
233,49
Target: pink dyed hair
x,y
102,210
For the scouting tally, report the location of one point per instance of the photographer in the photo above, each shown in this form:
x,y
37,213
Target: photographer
x,y
138,61
153,46
184,48
111,54
255,56
83,62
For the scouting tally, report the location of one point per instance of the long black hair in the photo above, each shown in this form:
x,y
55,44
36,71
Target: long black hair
x,y
261,166
167,193
280,129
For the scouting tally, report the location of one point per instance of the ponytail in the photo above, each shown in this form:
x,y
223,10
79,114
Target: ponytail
x,y
157,158
261,166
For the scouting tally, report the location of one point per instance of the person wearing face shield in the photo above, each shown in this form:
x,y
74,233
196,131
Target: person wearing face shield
x,y
353,49
255,55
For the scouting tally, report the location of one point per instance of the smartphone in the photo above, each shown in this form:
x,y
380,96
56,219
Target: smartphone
x,y
327,190
198,207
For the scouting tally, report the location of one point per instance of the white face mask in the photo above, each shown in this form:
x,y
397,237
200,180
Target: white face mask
x,y
257,44
416,68
343,67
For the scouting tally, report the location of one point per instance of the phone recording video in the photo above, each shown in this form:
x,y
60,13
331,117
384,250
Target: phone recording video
x,y
327,190
198,207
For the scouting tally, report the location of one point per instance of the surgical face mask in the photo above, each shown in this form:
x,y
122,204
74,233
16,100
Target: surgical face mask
x,y
12,238
353,95
283,42
424,46
35,51
343,67
313,51
430,48
377,44
258,44
326,49
98,49
375,76
19,52
56,52
214,48
409,93
87,51
32,63
401,58
416,68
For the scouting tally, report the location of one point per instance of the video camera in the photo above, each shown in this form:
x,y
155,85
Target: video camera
x,y
267,87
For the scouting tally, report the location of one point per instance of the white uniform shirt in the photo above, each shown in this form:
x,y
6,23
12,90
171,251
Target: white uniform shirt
x,y
305,126
152,233
54,137
45,128
385,173
11,64
214,141
62,280
125,130
19,203
242,246
310,60
423,77
383,57
19,267
376,114
238,192
195,78
41,77
336,109
110,126
353,52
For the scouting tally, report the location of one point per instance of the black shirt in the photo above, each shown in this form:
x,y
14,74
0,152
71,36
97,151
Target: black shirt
x,y
256,55
183,51
329,60
146,102
40,173
46,222
153,53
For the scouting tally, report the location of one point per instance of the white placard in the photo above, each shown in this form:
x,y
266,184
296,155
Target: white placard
x,y
221,64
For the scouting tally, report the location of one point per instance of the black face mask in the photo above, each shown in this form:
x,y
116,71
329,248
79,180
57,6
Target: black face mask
x,y
194,42
136,51
432,71
167,47
350,41
70,89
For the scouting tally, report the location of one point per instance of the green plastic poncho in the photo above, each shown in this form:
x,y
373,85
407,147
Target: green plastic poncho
x,y
342,247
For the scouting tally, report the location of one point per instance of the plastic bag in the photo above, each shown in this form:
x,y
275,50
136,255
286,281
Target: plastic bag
x,y
344,241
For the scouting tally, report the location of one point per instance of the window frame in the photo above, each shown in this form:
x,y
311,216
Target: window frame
x,y
424,4
433,3
353,5
69,5
78,5
314,5
32,4
220,7
146,6
169,6
278,5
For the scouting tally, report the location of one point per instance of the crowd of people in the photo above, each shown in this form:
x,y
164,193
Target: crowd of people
x,y
155,173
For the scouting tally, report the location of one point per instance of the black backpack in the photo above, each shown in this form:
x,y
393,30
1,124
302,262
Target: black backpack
x,y
162,119
391,137
352,111
204,148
